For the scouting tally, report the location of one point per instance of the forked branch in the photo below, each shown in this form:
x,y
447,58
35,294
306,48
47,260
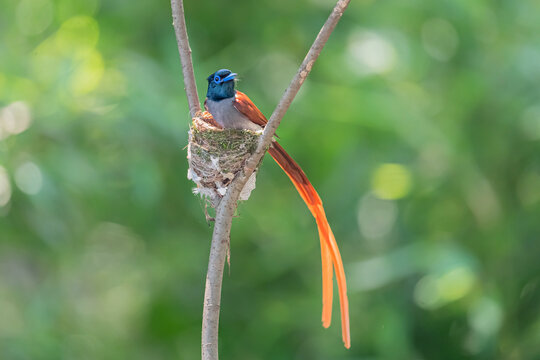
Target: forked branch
x,y
227,206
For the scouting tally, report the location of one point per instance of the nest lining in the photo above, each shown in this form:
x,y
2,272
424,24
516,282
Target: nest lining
x,y
215,156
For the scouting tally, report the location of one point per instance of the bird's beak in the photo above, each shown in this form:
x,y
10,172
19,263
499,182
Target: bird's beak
x,y
230,77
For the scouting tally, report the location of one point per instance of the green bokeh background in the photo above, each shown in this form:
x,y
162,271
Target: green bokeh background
x,y
419,126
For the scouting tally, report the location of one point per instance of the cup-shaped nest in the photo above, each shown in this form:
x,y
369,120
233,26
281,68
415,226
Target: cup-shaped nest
x,y
216,155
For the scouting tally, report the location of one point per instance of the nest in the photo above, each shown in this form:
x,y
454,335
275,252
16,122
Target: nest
x,y
216,155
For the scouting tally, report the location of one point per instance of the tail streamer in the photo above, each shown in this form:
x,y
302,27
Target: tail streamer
x,y
330,255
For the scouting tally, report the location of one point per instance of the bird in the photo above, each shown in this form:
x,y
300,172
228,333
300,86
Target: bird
x,y
232,109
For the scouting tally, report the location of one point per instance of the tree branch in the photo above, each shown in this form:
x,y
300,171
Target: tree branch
x,y
179,23
227,206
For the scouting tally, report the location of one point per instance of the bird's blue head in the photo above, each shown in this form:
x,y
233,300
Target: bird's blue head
x,y
221,85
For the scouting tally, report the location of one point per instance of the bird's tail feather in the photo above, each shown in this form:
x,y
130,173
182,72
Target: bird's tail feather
x,y
329,250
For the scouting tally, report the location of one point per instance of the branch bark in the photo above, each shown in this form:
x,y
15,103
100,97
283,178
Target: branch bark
x,y
179,23
227,206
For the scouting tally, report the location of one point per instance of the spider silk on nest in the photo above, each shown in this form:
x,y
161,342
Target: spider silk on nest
x,y
216,155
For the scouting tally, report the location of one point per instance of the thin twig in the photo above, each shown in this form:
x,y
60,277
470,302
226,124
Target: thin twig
x,y
179,23
227,206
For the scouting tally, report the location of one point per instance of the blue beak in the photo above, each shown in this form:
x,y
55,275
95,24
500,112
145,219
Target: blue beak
x,y
228,78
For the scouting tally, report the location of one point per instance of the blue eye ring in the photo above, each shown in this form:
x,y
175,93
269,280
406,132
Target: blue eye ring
x,y
217,79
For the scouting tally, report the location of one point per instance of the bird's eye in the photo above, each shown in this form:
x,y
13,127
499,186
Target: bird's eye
x,y
217,79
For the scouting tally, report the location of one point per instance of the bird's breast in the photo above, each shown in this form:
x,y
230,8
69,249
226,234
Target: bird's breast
x,y
228,116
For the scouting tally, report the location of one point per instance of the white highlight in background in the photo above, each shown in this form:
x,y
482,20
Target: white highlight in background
x,y
5,187
28,178
370,53
14,119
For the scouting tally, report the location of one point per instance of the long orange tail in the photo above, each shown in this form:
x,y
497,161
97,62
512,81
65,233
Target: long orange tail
x,y
329,249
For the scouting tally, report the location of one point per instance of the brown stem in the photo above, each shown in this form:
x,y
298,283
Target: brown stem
x,y
179,23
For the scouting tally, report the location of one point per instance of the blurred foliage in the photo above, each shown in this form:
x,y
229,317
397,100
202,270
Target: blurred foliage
x,y
419,126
